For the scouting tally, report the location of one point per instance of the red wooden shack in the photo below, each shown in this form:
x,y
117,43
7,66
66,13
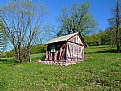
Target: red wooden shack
x,y
65,50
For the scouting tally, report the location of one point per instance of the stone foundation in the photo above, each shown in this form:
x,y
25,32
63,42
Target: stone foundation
x,y
58,63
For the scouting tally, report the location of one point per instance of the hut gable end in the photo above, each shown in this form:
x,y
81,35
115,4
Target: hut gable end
x,y
76,39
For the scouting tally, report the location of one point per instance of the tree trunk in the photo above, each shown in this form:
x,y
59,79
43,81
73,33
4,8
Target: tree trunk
x,y
17,55
19,52
117,40
117,27
29,58
28,53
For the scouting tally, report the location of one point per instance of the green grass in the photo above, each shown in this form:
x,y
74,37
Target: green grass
x,y
100,71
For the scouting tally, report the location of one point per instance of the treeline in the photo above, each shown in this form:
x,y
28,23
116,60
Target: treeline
x,y
40,48
107,37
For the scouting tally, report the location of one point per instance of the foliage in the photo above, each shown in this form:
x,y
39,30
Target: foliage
x,y
100,71
76,19
102,38
110,32
40,48
8,54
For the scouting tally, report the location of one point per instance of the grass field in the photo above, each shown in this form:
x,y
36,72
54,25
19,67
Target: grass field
x,y
101,71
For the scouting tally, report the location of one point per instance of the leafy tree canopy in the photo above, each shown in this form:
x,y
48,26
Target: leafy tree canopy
x,y
77,18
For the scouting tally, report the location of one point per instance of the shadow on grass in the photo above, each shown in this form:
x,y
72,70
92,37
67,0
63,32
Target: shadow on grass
x,y
107,51
8,61
103,51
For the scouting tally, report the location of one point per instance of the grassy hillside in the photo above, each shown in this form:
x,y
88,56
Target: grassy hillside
x,y
100,71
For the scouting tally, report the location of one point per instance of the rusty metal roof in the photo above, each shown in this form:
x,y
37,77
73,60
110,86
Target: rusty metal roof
x,y
61,38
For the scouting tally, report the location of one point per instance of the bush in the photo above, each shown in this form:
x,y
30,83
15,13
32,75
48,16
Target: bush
x,y
38,49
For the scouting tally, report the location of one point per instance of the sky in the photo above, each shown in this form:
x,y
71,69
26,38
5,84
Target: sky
x,y
100,9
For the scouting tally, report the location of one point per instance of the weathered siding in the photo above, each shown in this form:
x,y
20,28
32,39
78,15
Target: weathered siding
x,y
63,53
74,52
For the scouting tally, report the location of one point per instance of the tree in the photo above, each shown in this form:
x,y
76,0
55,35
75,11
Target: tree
x,y
115,24
23,22
76,19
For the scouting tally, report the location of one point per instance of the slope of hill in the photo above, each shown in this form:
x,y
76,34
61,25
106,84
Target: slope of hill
x,y
101,70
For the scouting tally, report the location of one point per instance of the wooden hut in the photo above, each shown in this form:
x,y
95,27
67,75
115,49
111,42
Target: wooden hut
x,y
65,50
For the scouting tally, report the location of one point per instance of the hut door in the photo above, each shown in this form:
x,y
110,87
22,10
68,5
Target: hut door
x,y
52,56
58,54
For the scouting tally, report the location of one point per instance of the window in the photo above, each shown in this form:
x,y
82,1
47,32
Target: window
x,y
53,48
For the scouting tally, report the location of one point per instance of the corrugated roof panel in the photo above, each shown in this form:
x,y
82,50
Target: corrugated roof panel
x,y
61,38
